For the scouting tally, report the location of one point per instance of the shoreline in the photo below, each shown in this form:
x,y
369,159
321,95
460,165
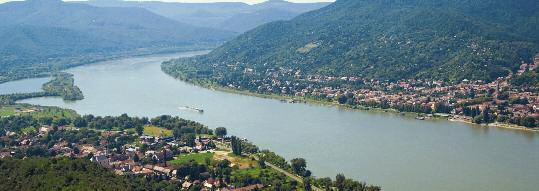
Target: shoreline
x,y
357,108
118,56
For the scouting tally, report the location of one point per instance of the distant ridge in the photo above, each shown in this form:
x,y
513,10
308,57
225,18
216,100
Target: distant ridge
x,y
42,35
233,16
390,40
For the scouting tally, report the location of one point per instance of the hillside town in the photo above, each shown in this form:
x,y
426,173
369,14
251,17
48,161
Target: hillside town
x,y
151,156
468,100
165,150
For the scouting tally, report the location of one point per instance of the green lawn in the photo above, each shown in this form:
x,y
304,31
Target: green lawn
x,y
54,113
156,131
130,130
197,157
28,130
6,111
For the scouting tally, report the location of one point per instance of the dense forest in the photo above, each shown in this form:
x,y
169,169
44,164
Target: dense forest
x,y
383,39
57,174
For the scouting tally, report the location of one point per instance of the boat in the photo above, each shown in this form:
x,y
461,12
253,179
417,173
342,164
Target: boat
x,y
192,109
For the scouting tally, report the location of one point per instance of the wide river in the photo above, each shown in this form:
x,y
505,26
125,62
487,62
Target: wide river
x,y
396,152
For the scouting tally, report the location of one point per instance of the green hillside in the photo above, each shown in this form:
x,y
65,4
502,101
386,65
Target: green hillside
x,y
383,39
58,174
39,36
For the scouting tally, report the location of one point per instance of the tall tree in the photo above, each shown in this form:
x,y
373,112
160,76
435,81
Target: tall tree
x,y
220,132
236,145
299,166
140,129
339,182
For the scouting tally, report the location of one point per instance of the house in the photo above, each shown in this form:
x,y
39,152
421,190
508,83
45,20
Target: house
x,y
148,139
210,183
45,129
186,185
163,170
249,188
101,160
162,155
5,155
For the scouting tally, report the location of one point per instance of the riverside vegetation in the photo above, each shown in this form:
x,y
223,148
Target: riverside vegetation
x,y
43,150
62,85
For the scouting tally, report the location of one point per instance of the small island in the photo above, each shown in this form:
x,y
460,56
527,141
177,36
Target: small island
x,y
62,85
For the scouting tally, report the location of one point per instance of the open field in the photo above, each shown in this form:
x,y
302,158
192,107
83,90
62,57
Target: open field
x,y
36,111
241,162
197,157
156,131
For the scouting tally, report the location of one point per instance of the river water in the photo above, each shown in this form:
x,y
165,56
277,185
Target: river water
x,y
396,152
23,86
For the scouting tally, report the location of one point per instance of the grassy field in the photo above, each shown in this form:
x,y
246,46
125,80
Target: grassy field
x,y
7,111
156,131
28,130
239,161
197,157
54,113
36,111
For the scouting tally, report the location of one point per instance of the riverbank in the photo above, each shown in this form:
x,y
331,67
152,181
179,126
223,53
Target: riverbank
x,y
306,100
71,62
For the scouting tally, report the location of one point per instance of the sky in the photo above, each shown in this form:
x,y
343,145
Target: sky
x,y
245,1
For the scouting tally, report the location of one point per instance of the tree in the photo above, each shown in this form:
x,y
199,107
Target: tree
x,y
80,122
189,139
339,182
299,166
140,129
136,158
176,132
61,121
236,145
220,132
262,163
307,184
342,99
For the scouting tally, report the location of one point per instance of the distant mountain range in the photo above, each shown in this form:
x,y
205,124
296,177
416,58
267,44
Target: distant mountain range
x,y
36,24
34,32
237,17
388,40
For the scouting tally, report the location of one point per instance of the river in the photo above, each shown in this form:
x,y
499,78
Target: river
x,y
23,86
396,152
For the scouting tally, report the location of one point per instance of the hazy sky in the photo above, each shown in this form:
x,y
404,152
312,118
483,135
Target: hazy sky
x,y
246,1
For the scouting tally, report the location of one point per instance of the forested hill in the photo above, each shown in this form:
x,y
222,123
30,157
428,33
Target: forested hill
x,y
392,39
58,174
36,35
34,22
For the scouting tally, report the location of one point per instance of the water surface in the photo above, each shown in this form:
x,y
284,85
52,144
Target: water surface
x,y
396,152
23,86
